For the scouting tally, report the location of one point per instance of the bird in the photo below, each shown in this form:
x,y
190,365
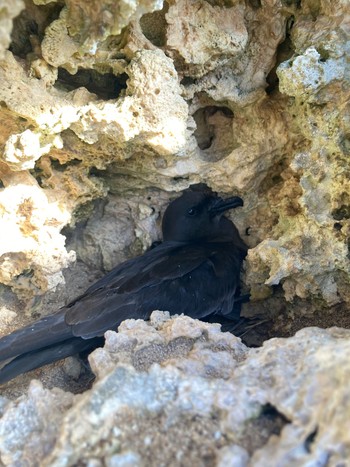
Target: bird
x,y
195,270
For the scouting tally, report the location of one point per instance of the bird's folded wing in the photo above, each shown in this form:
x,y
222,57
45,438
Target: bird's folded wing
x,y
157,280
165,262
174,263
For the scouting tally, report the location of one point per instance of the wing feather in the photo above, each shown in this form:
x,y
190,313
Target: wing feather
x,y
179,278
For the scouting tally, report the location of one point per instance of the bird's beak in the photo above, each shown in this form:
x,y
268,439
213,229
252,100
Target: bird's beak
x,y
221,205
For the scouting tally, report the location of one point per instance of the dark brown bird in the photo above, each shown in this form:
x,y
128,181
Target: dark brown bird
x,y
195,271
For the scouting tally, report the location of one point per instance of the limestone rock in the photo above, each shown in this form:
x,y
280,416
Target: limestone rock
x,y
81,36
206,35
132,123
29,425
9,9
174,391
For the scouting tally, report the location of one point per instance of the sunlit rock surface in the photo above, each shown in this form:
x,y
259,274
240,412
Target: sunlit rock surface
x,y
174,392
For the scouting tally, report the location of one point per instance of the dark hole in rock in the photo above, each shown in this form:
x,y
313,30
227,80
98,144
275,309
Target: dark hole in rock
x,y
270,412
310,439
258,431
214,132
290,3
221,3
255,4
27,273
29,27
187,81
337,226
37,173
324,54
154,25
276,179
95,172
285,51
55,164
179,178
104,85
341,213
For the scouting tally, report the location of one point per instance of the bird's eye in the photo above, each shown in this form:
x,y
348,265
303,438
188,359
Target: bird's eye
x,y
192,212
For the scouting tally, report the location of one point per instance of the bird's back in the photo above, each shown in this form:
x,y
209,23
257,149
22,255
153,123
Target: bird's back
x,y
197,279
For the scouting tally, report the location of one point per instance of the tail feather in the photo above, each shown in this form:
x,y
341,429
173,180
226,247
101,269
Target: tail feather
x,y
48,330
37,358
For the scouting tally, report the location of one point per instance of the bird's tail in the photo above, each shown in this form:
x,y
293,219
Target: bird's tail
x,y
45,332
31,360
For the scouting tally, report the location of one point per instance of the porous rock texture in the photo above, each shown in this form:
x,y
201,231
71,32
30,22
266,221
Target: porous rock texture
x,y
107,110
181,392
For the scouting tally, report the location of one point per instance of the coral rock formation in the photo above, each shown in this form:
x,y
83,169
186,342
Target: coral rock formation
x,y
179,391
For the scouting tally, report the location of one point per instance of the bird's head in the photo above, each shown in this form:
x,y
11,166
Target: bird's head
x,y
198,215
